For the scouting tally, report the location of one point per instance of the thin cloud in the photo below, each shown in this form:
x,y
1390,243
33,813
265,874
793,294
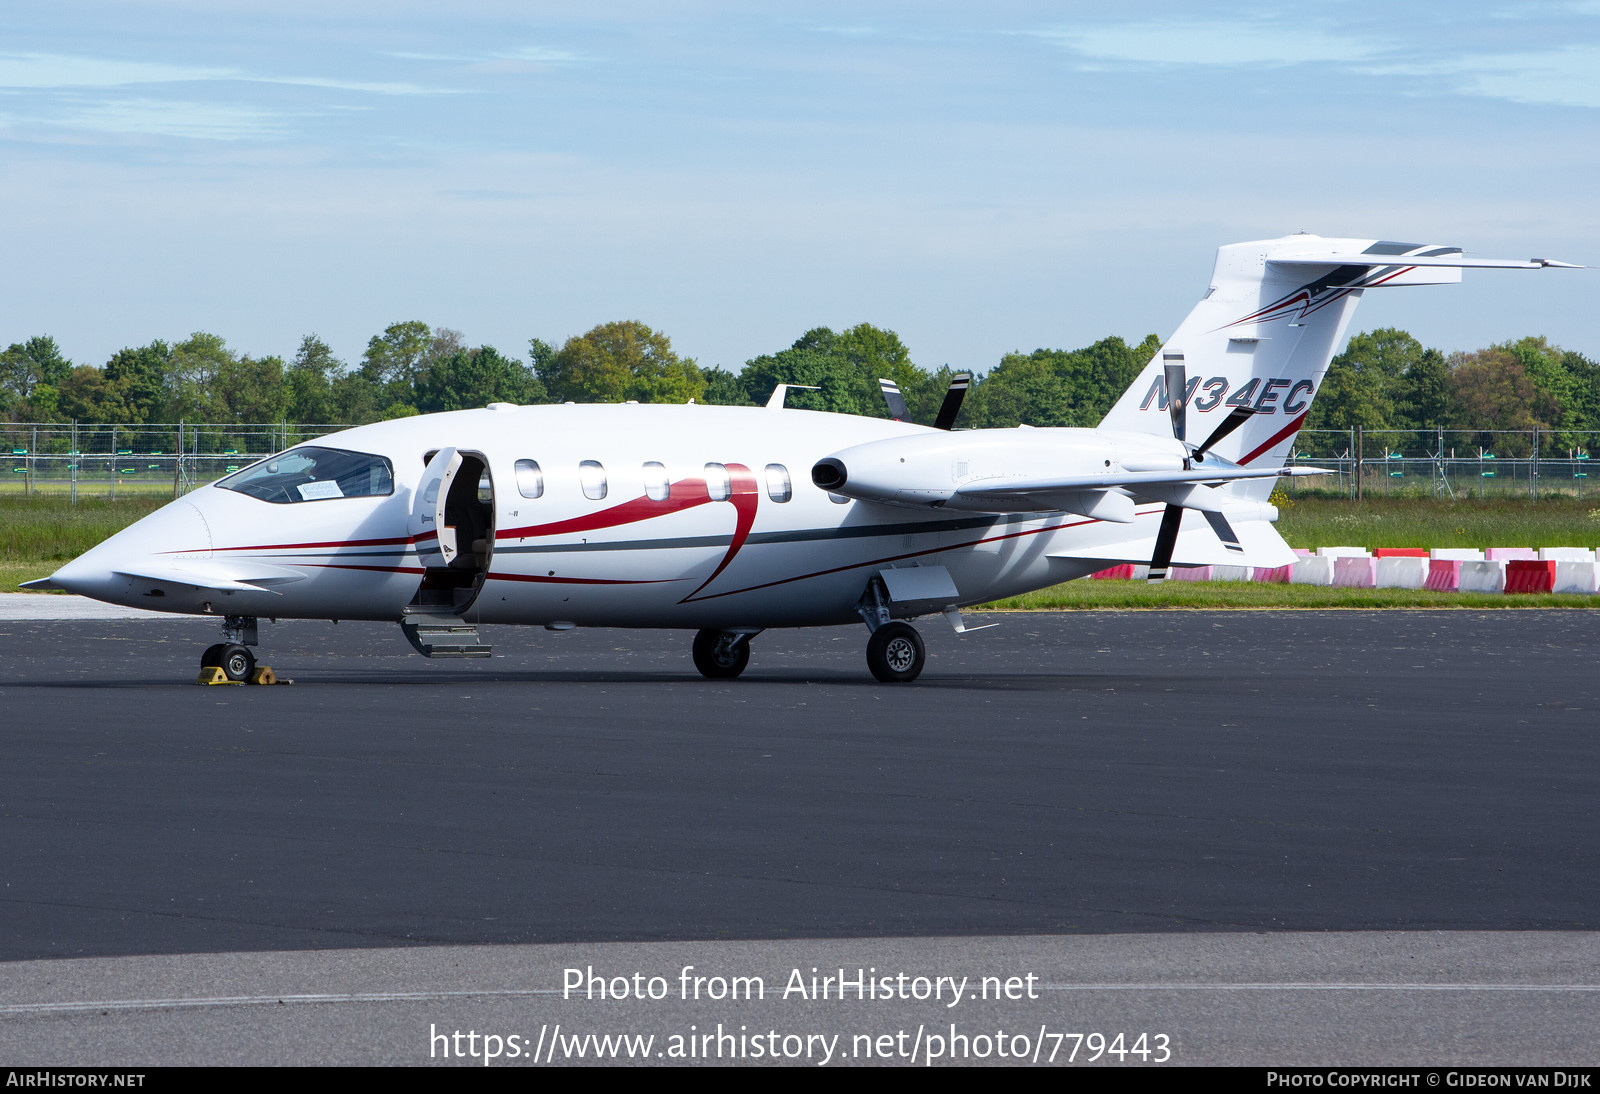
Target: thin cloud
x,y
1560,77
47,71
352,85
165,118
51,70
1565,76
544,56
1219,43
487,195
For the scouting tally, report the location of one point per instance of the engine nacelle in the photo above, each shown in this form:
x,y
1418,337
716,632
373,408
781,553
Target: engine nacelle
x,y
931,470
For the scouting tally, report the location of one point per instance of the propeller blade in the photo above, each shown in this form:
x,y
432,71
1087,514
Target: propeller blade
x,y
952,400
893,399
1166,540
1219,524
1240,415
1177,393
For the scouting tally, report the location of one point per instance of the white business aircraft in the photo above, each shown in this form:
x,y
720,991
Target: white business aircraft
x,y
730,520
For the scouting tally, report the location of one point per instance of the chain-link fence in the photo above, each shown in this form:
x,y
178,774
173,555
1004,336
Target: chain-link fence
x,y
1446,463
172,459
128,460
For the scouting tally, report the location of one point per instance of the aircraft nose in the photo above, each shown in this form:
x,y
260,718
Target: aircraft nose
x,y
175,531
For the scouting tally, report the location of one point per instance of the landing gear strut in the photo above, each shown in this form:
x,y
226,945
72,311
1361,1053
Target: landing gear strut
x,y
895,653
721,655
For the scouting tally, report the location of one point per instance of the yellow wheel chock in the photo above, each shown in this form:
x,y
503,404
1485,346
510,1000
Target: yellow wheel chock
x,y
262,675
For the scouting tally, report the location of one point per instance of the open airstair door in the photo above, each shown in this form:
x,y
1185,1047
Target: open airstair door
x,y
434,537
452,525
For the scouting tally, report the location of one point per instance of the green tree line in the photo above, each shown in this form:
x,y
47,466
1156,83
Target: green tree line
x,y
1385,380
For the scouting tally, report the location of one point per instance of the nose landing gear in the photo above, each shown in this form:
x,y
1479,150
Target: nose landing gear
x,y
236,662
230,661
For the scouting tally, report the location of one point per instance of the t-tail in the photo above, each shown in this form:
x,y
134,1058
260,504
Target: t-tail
x,y
1263,335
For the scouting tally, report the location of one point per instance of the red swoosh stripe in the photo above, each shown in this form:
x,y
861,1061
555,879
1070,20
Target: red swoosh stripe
x,y
745,499
402,540
683,495
1272,442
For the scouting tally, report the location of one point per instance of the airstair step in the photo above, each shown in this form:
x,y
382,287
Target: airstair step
x,y
444,638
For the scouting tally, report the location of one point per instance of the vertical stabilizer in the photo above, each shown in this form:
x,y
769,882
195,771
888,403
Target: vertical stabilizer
x,y
1264,333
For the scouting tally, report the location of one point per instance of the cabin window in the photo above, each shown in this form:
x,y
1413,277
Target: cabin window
x,y
719,487
779,487
593,478
656,486
530,480
838,499
314,474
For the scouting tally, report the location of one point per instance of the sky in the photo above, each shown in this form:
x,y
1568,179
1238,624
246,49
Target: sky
x,y
978,178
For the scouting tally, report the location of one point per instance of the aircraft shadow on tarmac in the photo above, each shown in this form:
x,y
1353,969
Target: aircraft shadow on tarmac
x,y
1016,681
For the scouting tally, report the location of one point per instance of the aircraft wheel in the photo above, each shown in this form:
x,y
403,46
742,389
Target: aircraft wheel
x,y
895,653
212,658
237,662
720,655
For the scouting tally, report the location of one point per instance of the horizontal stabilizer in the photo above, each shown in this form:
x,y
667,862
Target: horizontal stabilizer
x,y
42,583
1455,261
1259,544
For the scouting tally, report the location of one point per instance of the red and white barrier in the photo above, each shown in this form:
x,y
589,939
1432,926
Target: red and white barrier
x,y
1317,570
1444,575
1354,571
1402,572
1530,576
1278,575
1442,569
1115,573
1575,577
1488,576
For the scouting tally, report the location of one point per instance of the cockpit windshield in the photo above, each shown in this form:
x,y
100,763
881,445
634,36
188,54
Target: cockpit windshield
x,y
314,474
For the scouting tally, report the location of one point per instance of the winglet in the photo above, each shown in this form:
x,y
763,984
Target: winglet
x,y
780,392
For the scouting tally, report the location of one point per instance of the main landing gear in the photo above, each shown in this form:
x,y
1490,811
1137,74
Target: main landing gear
x,y
230,661
895,652
722,655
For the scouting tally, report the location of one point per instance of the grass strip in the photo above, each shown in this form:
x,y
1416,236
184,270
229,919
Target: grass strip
x,y
1086,595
